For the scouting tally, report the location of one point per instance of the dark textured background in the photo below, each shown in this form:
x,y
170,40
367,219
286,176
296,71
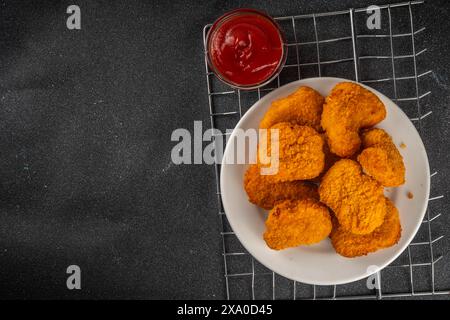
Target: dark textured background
x,y
85,124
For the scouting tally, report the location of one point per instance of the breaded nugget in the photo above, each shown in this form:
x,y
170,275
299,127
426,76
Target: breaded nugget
x,y
347,109
303,107
381,159
356,199
263,191
350,245
293,223
300,152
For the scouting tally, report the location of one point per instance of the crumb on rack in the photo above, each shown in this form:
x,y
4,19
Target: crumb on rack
x,y
402,145
410,195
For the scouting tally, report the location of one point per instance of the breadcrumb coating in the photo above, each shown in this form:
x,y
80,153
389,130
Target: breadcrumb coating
x,y
303,107
381,158
350,245
264,192
347,109
297,222
356,199
300,152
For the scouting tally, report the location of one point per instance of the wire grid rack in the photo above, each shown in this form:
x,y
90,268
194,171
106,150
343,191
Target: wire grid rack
x,y
329,44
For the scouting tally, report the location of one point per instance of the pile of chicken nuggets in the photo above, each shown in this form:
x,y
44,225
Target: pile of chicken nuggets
x,y
332,168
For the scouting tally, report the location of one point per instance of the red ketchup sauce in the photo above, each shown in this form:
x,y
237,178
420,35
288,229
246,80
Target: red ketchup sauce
x,y
245,48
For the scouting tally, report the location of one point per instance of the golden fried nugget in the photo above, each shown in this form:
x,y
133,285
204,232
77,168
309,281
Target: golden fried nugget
x,y
300,152
356,199
350,245
303,107
347,109
263,191
293,223
381,159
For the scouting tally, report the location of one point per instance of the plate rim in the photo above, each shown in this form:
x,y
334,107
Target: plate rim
x,y
420,145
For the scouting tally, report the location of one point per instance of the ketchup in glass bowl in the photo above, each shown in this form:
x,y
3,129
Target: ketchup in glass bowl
x,y
245,48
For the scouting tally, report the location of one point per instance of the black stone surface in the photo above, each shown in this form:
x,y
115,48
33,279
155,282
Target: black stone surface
x,y
86,176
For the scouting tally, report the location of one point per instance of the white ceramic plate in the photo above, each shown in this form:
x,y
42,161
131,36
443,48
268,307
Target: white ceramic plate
x,y
320,264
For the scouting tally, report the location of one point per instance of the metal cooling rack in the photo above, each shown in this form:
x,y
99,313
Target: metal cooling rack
x,y
245,278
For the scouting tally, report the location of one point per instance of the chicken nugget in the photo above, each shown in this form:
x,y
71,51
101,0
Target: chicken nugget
x,y
356,198
300,153
263,191
350,245
381,158
347,109
303,107
293,223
